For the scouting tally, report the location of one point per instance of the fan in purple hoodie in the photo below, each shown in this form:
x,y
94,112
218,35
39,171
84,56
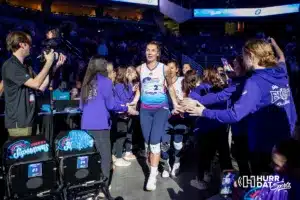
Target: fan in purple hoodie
x,y
266,100
122,132
97,100
213,134
231,94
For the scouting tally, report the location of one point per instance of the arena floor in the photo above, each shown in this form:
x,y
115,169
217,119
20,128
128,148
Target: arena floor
x,y
128,183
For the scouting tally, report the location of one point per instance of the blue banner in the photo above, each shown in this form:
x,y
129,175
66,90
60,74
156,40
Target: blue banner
x,y
246,12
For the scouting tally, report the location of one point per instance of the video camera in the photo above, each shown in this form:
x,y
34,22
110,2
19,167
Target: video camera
x,y
53,43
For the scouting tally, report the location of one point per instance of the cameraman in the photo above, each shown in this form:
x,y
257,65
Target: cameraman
x,y
52,33
54,41
20,84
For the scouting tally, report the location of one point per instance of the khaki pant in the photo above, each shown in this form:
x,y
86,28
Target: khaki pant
x,y
19,132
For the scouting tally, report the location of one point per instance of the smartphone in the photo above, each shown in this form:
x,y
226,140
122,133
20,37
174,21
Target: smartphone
x,y
226,65
229,176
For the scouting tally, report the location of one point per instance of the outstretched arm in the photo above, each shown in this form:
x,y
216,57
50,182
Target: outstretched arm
x,y
137,91
213,98
1,88
244,106
278,51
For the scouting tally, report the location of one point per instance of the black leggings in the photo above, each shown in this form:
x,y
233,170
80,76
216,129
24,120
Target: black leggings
x,y
121,135
240,152
102,142
260,163
209,143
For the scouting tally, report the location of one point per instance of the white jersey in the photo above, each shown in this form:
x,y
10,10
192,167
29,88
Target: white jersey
x,y
178,88
153,90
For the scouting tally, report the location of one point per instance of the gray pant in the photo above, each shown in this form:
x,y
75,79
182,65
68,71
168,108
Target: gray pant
x,y
102,143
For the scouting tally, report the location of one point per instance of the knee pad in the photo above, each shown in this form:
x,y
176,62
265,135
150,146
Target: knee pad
x,y
178,146
155,148
165,147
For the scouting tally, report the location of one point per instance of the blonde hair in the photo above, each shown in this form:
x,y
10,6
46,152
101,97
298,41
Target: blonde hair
x,y
262,51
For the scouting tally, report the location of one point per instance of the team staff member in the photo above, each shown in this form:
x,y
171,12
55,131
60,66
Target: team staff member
x,y
20,85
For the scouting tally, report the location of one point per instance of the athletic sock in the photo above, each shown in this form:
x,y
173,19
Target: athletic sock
x,y
153,170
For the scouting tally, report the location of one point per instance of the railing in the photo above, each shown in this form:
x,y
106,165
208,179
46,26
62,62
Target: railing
x,y
174,11
195,65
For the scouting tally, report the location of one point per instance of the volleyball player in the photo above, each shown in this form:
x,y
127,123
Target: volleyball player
x,y
176,127
154,111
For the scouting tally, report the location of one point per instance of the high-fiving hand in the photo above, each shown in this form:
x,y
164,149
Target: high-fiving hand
x,y
177,109
132,108
132,111
191,106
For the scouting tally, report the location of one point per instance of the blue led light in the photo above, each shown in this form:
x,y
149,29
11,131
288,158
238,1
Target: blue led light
x,y
247,12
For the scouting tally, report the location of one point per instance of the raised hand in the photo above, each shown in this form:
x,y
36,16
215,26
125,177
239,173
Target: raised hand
x,y
49,57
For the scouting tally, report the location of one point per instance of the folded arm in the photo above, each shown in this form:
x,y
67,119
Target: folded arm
x,y
111,103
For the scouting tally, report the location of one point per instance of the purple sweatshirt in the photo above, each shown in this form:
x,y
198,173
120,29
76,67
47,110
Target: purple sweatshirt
x,y
230,94
204,125
123,94
95,113
267,101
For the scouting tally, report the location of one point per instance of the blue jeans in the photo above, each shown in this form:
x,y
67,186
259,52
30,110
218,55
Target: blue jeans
x,y
153,123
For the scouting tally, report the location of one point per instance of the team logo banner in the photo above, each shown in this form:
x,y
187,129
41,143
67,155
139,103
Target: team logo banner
x,y
75,140
23,148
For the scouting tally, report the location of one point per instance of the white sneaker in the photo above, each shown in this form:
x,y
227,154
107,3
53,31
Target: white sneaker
x,y
129,156
165,174
200,185
114,158
151,184
120,162
101,194
175,169
207,177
